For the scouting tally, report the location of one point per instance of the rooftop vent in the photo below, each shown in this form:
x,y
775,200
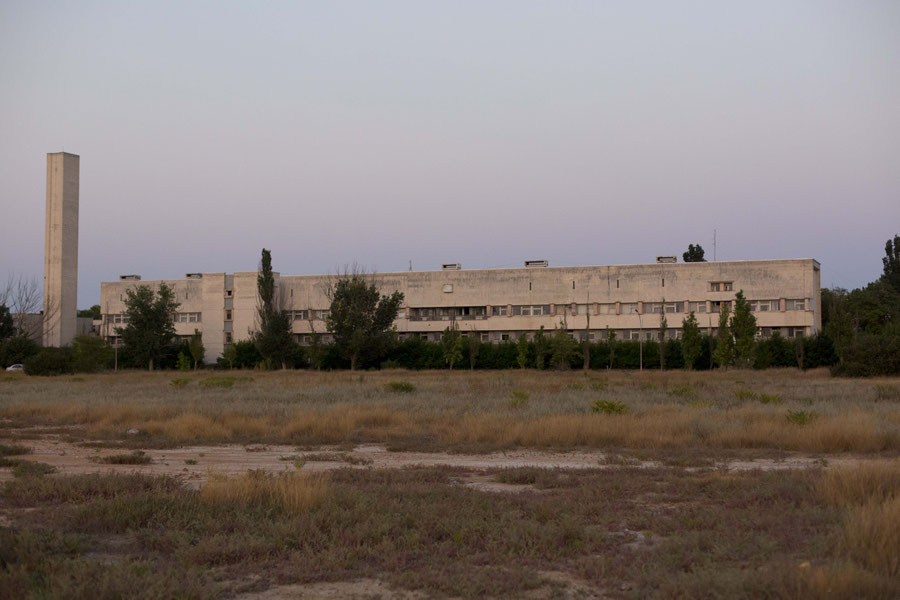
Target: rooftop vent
x,y
536,263
451,267
666,259
129,277
193,275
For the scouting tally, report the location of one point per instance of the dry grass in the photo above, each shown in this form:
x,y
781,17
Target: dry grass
x,y
292,492
461,410
860,484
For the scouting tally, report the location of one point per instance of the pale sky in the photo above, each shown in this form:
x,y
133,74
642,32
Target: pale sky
x,y
485,133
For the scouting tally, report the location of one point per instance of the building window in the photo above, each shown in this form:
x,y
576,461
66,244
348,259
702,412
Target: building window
x,y
697,307
721,286
504,337
227,314
228,293
227,337
498,311
795,304
485,337
191,317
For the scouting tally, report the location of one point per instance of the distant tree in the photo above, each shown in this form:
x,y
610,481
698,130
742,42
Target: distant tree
x,y
452,344
691,340
184,362
229,354
743,329
273,338
196,348
891,262
14,350
90,313
663,327
360,320
150,329
7,328
611,340
91,354
522,350
541,348
473,345
562,346
694,254
724,352
25,298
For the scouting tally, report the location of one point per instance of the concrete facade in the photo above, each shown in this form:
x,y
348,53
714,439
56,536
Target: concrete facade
x,y
61,249
500,304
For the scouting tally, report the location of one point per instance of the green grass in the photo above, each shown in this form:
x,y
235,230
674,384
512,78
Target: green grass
x,y
400,387
609,407
223,381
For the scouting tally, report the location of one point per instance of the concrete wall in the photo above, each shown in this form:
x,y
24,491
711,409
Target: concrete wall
x,y
601,293
61,249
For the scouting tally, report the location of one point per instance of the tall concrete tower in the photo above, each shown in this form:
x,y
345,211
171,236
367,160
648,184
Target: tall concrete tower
x,y
61,249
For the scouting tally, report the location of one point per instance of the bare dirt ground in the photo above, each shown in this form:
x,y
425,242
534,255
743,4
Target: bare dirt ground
x,y
195,463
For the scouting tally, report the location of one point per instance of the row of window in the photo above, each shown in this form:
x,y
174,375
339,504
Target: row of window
x,y
306,315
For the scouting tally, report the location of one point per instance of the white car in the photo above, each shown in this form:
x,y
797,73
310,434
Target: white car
x,y
16,367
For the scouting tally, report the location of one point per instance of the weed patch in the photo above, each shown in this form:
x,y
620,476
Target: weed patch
x,y
800,417
224,381
682,391
291,492
136,457
400,387
28,468
609,407
885,391
180,382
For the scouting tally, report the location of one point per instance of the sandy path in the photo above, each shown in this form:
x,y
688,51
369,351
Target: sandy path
x,y
194,463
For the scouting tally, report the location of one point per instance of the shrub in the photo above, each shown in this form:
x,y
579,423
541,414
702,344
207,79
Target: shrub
x,y
181,381
800,417
745,394
223,381
609,407
137,457
184,362
519,398
16,350
682,391
49,361
400,387
770,399
27,468
91,354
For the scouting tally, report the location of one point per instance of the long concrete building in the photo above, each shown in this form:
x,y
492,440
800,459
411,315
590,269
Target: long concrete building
x,y
500,304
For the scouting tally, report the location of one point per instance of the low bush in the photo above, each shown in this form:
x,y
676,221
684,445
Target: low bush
x,y
224,381
137,457
800,417
609,407
400,387
49,361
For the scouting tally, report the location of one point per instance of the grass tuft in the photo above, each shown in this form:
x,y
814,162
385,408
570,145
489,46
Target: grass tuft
x,y
400,387
180,382
800,417
290,492
136,457
884,391
224,381
609,407
28,468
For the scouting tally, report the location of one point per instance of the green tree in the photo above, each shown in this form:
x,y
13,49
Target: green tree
x,y
522,350
691,340
694,254
150,329
196,348
541,348
91,354
273,338
611,340
724,352
891,262
229,355
91,313
473,346
452,345
361,320
663,327
562,346
7,327
743,329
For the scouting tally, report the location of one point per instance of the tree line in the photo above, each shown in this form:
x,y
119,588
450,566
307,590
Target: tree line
x,y
860,336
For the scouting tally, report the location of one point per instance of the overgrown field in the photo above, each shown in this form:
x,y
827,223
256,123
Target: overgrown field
x,y
464,411
613,529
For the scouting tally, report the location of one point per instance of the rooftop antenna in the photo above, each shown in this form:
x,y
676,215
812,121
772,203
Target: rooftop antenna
x,y
410,265
714,245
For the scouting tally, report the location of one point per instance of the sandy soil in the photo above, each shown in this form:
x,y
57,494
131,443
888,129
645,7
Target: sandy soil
x,y
194,463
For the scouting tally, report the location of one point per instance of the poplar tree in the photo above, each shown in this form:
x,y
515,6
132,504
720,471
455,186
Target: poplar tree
x,y
724,352
452,345
273,339
691,340
743,329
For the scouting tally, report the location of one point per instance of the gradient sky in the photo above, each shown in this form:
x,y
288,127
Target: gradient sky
x,y
486,133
